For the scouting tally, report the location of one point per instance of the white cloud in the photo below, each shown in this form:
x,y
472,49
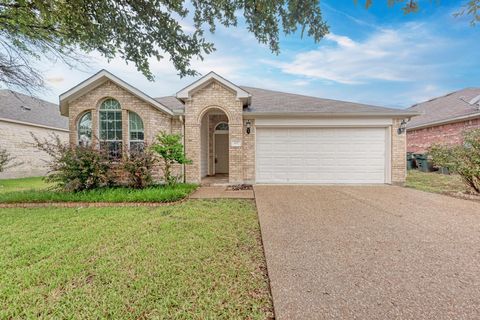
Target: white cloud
x,y
403,54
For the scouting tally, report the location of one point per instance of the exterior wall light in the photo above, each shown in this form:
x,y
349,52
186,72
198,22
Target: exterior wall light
x,y
403,127
248,125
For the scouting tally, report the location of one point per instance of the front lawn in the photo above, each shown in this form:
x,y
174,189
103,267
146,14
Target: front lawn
x,y
435,182
194,260
118,194
9,185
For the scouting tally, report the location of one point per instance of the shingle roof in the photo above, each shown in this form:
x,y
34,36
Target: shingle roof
x,y
269,101
172,103
20,107
445,108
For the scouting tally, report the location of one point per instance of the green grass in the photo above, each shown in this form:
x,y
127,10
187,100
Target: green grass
x,y
194,260
9,185
435,182
152,194
36,190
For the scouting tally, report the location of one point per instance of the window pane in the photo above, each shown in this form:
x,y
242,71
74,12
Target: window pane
x,y
135,125
85,129
222,126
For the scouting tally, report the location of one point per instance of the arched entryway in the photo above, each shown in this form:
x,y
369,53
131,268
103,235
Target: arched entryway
x,y
214,151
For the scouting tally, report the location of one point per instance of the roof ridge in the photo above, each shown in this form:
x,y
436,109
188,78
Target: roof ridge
x,y
324,99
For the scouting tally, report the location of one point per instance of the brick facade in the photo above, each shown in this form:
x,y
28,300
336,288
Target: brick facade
x,y
419,140
17,140
398,156
217,103
213,97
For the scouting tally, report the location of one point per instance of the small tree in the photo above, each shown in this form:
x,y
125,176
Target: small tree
x,y
5,159
170,149
463,159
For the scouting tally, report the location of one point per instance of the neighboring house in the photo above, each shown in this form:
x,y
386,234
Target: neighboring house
x,y
443,120
21,116
253,135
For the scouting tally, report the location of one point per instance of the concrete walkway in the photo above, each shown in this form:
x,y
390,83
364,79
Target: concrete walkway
x,y
370,252
221,192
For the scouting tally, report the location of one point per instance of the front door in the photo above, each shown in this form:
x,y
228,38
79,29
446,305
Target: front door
x,y
221,153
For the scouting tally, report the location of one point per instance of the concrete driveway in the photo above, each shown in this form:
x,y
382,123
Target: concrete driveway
x,y
370,252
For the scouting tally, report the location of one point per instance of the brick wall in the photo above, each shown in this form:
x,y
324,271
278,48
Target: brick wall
x,y
17,140
154,120
213,96
420,140
398,155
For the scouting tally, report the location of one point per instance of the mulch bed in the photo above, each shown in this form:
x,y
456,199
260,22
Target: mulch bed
x,y
239,187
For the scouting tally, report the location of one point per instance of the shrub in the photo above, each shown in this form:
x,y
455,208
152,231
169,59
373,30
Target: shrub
x,y
76,168
170,149
138,166
463,160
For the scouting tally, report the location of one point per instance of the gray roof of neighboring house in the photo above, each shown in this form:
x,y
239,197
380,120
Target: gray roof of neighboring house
x,y
446,108
274,102
20,107
269,101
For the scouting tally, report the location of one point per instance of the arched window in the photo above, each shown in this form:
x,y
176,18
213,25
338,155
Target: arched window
x,y
85,129
110,115
222,126
136,132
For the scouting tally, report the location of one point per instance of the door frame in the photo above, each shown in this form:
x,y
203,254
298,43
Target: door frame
x,y
228,148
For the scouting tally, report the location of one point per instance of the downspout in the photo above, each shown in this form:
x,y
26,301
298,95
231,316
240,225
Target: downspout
x,y
183,142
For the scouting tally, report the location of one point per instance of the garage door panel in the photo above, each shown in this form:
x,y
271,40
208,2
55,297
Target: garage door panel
x,y
320,155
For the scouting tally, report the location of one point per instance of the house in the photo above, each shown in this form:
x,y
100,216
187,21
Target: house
x,y
20,117
252,135
443,120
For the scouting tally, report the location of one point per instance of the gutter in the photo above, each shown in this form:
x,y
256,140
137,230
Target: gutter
x,y
331,114
441,122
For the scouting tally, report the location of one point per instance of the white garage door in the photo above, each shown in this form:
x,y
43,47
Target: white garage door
x,y
320,155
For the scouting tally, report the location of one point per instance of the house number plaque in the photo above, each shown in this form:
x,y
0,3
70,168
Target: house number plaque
x,y
235,143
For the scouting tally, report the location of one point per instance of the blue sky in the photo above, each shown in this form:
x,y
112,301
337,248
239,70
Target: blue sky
x,y
377,56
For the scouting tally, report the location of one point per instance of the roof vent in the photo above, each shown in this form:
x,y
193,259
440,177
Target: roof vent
x,y
24,108
475,101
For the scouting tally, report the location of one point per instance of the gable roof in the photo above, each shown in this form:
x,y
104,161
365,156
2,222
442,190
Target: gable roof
x,y
269,102
185,93
19,107
98,79
451,107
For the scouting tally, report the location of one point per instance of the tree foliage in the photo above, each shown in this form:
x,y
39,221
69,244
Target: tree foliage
x,y
170,148
137,30
461,159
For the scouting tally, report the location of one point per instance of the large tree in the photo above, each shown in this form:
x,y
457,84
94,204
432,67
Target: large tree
x,y
137,30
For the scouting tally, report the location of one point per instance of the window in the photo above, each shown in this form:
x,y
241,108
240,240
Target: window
x,y
136,132
85,129
222,126
110,114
